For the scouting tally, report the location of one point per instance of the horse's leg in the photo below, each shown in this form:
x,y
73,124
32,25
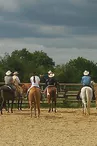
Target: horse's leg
x,y
1,107
4,104
8,106
30,105
52,104
18,103
88,106
49,103
38,103
85,108
12,106
55,104
96,102
21,103
35,108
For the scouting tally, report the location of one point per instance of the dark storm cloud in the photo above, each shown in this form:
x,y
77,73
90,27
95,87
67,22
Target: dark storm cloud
x,y
76,15
64,28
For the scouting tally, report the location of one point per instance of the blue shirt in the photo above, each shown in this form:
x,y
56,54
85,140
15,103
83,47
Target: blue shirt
x,y
86,80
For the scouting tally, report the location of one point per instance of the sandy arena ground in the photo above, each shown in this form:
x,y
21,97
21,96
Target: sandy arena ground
x,y
67,127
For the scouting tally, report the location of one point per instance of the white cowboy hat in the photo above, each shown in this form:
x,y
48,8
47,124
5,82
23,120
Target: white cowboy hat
x,y
8,73
51,75
86,73
49,72
15,73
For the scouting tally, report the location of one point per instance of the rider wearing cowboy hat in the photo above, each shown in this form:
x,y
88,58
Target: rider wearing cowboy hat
x,y
16,79
85,80
9,80
50,81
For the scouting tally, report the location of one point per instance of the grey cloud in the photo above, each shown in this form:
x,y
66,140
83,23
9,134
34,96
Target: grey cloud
x,y
59,25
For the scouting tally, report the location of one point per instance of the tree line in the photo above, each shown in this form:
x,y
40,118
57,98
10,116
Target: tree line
x,y
26,62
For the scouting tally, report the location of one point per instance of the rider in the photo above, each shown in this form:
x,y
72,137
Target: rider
x,y
85,80
50,81
35,81
16,82
9,81
16,79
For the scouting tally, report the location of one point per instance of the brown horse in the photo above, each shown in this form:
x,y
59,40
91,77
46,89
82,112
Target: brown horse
x,y
51,96
6,95
25,87
34,98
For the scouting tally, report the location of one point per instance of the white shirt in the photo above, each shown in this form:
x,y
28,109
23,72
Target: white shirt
x,y
16,79
37,81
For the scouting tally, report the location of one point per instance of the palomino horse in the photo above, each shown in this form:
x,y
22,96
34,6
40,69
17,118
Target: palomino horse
x,y
20,95
51,96
6,94
86,96
34,98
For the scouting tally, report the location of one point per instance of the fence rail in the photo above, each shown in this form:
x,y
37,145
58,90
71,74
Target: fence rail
x,y
64,89
67,93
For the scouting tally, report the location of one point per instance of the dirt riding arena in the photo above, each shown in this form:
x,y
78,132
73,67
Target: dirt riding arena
x,y
67,127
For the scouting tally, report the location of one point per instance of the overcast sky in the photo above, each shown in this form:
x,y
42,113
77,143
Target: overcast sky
x,y
64,29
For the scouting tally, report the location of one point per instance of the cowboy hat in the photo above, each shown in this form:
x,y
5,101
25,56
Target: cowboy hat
x,y
86,73
49,72
51,75
8,73
15,73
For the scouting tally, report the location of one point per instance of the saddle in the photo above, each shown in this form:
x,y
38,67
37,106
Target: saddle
x,y
6,88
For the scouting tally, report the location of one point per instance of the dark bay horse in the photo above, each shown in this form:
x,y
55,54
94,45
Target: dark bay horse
x,y
34,99
6,95
51,97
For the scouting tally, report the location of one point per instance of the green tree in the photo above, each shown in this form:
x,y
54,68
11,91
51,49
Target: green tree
x,y
26,62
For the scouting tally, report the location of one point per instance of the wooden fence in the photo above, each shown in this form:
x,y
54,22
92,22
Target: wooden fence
x,y
64,89
67,92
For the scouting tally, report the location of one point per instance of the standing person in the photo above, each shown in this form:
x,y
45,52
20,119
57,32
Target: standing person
x,y
35,81
16,79
9,80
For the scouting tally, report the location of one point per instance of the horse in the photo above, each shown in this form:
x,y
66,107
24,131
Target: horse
x,y
51,96
95,92
86,96
25,87
34,98
20,95
6,94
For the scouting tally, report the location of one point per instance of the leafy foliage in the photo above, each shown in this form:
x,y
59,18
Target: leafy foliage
x,y
26,62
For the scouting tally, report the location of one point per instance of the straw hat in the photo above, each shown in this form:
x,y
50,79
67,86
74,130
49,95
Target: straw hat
x,y
8,73
49,72
15,73
86,73
51,75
